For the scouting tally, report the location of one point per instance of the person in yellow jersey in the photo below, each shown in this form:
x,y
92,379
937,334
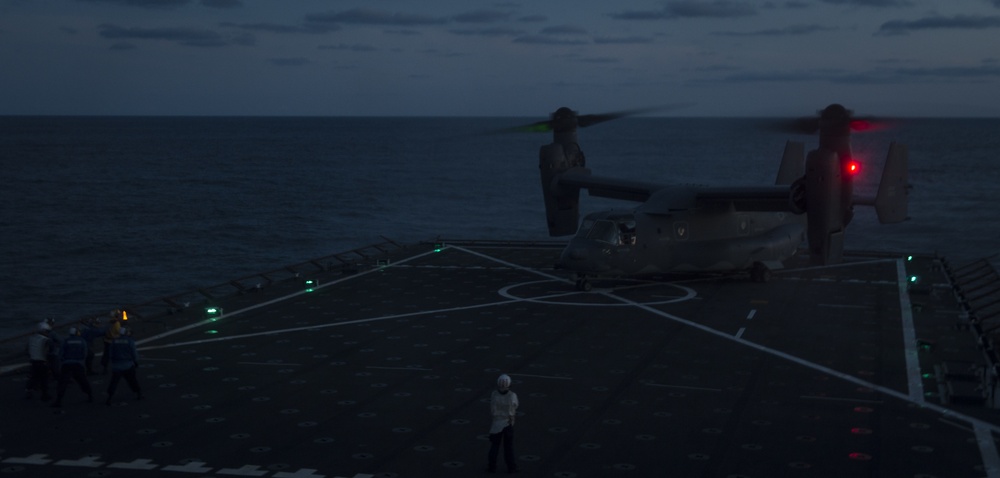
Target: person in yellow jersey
x,y
503,408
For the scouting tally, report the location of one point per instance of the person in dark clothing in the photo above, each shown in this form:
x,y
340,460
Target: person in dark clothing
x,y
72,354
124,360
92,330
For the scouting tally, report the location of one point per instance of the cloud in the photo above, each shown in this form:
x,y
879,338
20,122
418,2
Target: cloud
x,y
871,3
791,30
357,47
295,61
182,36
632,40
364,16
488,32
222,3
482,16
280,28
958,22
563,30
123,46
900,75
989,70
547,40
144,3
691,9
543,18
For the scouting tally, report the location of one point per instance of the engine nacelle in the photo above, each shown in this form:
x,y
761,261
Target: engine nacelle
x,y
562,205
826,217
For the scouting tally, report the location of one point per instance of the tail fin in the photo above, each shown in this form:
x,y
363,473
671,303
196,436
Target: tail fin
x,y
792,163
891,199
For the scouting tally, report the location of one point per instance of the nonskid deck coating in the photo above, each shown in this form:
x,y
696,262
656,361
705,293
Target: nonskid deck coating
x,y
387,372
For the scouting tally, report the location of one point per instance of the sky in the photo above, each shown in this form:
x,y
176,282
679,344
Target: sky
x,y
728,58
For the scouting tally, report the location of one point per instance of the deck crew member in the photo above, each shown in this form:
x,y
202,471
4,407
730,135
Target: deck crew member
x,y
124,360
38,351
503,408
72,354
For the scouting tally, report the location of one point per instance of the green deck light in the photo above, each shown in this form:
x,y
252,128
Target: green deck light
x,y
213,313
438,246
311,285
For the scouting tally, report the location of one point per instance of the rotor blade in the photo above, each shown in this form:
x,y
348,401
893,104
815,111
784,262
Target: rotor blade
x,y
588,120
537,127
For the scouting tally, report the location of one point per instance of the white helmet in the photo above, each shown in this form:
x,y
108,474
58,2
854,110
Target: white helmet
x,y
44,326
503,382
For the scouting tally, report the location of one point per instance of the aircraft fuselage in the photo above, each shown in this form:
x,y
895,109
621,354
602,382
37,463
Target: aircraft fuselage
x,y
631,242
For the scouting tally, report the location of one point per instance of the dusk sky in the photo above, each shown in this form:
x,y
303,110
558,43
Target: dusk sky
x,y
473,58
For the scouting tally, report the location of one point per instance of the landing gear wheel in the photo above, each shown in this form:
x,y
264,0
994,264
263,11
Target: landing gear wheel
x,y
583,285
760,272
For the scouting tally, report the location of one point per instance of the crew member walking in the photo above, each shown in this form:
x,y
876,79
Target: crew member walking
x,y
503,407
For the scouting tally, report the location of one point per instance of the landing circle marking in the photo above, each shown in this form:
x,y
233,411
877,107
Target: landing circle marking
x,y
566,296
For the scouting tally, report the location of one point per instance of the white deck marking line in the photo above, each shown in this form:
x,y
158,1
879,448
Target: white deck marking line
x,y
549,377
333,324
739,333
913,377
684,387
276,300
987,447
752,313
839,399
270,363
401,368
777,353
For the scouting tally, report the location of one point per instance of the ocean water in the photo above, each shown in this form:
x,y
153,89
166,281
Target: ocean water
x,y
100,212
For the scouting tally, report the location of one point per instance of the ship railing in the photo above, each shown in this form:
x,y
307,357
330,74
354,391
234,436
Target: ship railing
x,y
977,289
12,348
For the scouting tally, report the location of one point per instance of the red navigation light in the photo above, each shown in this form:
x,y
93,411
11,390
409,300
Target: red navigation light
x,y
852,167
861,125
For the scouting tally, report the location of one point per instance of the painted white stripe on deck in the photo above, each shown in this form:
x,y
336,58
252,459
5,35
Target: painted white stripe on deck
x,y
913,376
684,387
988,448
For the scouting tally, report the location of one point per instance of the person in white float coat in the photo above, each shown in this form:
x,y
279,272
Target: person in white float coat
x,y
503,408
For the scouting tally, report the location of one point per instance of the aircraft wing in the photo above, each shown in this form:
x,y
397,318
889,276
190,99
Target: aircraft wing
x,y
609,187
661,199
764,198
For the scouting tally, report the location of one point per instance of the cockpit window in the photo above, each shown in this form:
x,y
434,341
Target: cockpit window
x,y
605,231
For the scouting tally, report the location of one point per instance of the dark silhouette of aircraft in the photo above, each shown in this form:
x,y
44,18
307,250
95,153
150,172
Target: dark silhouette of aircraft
x,y
713,229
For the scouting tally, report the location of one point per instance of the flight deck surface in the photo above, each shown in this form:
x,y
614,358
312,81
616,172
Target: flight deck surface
x,y
387,371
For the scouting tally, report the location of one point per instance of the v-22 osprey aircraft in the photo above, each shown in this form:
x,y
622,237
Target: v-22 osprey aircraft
x,y
712,229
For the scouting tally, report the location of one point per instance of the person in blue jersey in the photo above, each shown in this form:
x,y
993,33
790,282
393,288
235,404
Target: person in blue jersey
x,y
124,360
111,332
53,354
91,331
38,352
72,354
503,408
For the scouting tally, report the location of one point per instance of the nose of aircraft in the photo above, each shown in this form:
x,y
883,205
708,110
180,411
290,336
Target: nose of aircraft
x,y
579,258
